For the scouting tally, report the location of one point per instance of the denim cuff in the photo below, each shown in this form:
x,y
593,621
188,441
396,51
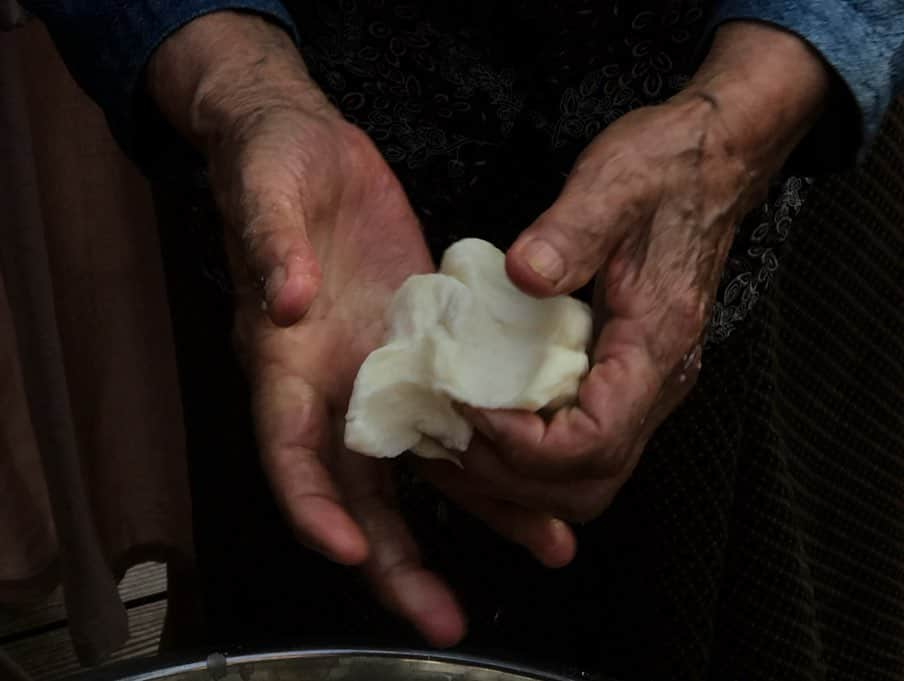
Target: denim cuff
x,y
107,44
861,42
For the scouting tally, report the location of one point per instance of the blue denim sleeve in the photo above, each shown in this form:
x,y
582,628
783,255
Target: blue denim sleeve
x,y
107,43
861,40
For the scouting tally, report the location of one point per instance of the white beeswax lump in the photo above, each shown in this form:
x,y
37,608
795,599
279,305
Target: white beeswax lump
x,y
465,334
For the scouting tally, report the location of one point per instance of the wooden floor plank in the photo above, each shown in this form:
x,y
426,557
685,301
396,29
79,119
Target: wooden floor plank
x,y
140,581
143,580
49,657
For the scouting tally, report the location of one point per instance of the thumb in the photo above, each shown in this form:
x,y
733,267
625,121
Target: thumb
x,y
268,234
281,258
571,241
559,253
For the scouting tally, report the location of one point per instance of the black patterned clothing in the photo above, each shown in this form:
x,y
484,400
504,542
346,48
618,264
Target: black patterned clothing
x,y
760,538
481,108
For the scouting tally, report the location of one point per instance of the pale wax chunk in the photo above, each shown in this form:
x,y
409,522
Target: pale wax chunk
x,y
465,334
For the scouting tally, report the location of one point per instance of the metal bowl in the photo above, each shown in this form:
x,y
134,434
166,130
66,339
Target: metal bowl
x,y
329,665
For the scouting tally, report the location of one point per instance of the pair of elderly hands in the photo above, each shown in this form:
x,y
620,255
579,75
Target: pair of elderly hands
x,y
315,213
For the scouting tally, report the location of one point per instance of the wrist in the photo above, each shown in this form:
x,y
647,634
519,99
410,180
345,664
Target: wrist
x,y
220,70
768,86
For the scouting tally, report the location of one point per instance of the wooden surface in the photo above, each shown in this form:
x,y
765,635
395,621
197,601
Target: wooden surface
x,y
141,581
37,638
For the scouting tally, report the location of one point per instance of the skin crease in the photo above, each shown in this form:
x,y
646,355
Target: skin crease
x,y
319,226
649,210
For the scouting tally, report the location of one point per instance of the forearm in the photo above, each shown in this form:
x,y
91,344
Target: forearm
x,y
225,67
860,41
768,87
106,44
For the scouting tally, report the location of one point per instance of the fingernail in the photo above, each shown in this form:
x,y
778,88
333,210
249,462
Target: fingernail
x,y
544,260
275,282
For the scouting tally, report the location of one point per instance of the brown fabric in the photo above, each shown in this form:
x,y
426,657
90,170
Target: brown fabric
x,y
92,467
11,15
10,671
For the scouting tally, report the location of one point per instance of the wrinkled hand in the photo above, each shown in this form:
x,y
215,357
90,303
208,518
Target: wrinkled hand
x,y
366,240
319,227
649,210
652,204
342,504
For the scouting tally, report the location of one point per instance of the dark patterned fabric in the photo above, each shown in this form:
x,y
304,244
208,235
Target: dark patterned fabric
x,y
482,108
762,535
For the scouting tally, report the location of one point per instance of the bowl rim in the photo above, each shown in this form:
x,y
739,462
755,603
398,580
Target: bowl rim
x,y
218,664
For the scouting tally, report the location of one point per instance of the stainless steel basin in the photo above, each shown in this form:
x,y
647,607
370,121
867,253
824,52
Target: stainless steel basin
x,y
328,665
